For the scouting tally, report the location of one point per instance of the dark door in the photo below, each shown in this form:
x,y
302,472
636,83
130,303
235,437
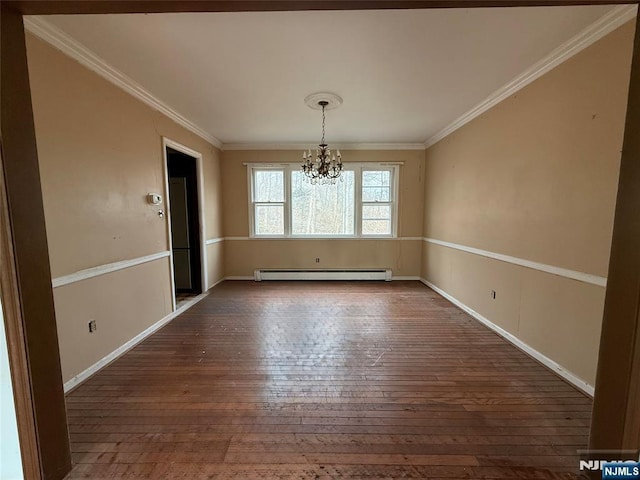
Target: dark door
x,y
185,221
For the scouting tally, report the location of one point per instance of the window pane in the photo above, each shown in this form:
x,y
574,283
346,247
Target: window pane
x,y
376,227
376,212
375,194
269,219
322,209
268,186
377,178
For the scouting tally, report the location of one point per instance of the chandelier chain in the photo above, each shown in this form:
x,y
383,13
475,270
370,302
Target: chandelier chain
x,y
323,119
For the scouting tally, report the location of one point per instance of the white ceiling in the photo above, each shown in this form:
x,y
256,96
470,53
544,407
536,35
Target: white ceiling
x,y
403,74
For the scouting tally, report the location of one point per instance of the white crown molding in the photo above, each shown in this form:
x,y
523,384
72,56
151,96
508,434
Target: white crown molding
x,y
601,27
74,49
546,361
306,146
543,267
108,268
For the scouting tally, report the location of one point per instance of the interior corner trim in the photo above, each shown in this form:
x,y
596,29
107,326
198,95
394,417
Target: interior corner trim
x,y
108,268
542,267
341,146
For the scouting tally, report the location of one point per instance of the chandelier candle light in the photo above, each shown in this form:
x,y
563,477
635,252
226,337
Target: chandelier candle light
x,y
325,168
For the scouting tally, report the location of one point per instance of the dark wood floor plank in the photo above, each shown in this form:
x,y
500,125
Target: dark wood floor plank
x,y
325,380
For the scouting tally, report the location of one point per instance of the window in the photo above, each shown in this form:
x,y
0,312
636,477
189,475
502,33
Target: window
x,y
376,202
322,209
268,201
362,203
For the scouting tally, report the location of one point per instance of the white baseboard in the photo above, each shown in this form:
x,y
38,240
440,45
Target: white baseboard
x,y
546,361
216,283
86,374
405,277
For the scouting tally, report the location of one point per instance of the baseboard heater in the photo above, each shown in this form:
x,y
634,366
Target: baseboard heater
x,y
331,274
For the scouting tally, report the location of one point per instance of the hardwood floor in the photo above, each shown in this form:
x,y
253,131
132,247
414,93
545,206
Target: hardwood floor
x,y
323,380
183,298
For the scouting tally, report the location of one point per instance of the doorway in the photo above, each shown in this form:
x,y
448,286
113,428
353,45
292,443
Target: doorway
x,y
184,217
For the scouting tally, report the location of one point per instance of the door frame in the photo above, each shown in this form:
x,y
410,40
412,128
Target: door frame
x,y
167,142
17,350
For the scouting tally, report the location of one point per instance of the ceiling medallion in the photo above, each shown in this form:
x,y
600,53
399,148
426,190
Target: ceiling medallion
x,y
324,168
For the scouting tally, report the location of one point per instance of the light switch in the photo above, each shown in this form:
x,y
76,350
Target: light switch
x,y
154,198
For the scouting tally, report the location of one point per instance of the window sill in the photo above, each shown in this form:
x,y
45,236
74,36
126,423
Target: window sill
x,y
326,237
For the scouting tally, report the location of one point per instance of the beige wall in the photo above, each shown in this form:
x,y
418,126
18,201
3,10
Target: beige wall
x,y
215,263
100,153
535,178
243,256
124,303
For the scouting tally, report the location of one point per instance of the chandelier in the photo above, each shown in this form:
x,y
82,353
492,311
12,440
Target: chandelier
x,y
326,167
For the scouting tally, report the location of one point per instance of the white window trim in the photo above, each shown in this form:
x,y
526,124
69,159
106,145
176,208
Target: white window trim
x,y
252,225
358,168
393,198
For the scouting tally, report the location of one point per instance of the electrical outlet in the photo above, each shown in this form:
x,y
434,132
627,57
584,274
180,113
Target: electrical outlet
x,y
92,326
317,260
493,294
